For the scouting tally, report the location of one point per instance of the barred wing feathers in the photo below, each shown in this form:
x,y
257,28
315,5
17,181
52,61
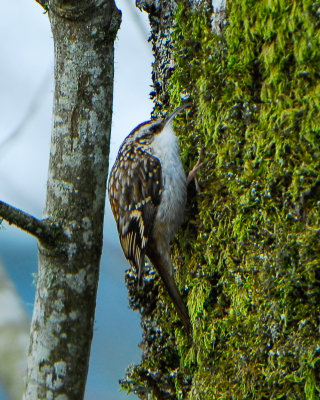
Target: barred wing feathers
x,y
135,188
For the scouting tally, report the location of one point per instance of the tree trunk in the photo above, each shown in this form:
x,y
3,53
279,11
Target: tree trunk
x,y
248,253
62,323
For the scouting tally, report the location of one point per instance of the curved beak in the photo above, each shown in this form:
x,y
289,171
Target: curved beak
x,y
178,110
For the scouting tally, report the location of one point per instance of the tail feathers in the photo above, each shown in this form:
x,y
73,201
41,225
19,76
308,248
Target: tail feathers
x,y
140,271
172,289
178,303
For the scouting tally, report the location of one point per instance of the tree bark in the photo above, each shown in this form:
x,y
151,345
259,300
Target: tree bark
x,y
248,252
62,323
219,17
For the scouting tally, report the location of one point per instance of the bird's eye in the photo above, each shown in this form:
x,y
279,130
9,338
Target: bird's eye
x,y
155,128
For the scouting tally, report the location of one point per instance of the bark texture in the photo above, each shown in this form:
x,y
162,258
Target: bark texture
x,y
63,317
248,254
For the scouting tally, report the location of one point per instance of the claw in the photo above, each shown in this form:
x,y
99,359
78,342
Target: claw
x,y
193,173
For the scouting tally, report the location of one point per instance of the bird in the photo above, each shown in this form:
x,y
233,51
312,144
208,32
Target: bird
x,y
147,191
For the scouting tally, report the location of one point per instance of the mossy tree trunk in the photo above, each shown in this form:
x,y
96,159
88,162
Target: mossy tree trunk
x,y
248,255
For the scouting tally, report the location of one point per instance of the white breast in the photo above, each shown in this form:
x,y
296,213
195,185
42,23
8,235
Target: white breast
x,y
173,199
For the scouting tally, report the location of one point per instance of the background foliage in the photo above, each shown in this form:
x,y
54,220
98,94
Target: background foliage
x,y
248,255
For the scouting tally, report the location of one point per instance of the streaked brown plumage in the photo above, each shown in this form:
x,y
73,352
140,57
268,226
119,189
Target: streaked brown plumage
x,y
147,192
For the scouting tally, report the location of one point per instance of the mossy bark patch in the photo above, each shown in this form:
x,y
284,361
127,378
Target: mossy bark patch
x,y
249,253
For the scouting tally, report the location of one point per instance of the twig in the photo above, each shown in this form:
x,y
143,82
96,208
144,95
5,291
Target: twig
x,y
144,31
43,230
32,108
42,3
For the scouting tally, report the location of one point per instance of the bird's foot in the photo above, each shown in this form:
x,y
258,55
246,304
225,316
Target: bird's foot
x,y
193,173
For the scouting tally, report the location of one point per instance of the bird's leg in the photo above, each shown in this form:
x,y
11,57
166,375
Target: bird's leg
x,y
193,173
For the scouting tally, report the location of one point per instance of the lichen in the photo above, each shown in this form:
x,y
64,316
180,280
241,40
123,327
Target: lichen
x,y
249,251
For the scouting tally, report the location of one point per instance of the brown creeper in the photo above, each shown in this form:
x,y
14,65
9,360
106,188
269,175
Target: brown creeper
x,y
148,192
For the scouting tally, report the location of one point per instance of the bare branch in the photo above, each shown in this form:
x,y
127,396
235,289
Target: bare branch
x,y
144,31
31,110
43,3
43,230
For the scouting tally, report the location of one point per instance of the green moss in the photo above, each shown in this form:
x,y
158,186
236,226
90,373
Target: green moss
x,y
250,254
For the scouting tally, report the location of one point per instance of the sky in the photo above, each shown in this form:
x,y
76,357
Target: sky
x,y
26,91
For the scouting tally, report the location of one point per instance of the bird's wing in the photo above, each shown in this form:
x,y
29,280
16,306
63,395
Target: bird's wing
x,y
135,188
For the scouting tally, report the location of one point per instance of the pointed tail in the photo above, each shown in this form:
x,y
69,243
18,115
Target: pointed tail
x,y
164,271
